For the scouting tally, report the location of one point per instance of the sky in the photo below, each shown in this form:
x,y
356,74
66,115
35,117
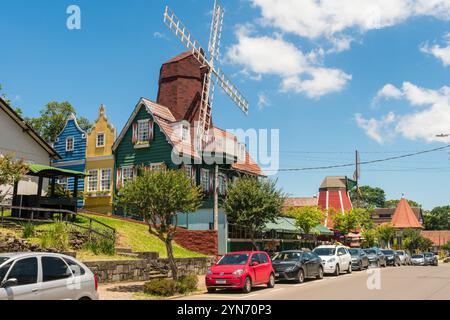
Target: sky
x,y
332,76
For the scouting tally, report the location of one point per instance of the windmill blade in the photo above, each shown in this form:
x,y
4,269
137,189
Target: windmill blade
x,y
231,90
182,33
216,32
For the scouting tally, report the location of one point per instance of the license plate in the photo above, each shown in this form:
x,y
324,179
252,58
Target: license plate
x,y
221,281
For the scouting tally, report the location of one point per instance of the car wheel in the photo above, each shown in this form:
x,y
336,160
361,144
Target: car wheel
x,y
320,275
350,270
271,283
337,270
211,290
360,267
301,276
247,285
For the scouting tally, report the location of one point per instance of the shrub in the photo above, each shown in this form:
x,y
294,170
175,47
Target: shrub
x,y
101,246
28,230
57,238
161,287
187,284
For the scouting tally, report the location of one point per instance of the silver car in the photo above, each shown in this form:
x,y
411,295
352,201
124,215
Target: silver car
x,y
45,276
404,257
418,259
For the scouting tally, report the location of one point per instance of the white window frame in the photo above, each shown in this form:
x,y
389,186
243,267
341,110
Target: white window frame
x,y
185,134
67,143
142,126
97,140
129,177
90,180
205,183
64,183
102,179
188,170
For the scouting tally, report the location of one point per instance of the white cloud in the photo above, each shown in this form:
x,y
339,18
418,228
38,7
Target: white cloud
x,y
160,35
327,18
299,72
440,52
425,124
263,100
389,91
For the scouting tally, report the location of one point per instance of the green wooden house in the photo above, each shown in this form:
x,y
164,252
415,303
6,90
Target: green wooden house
x,y
154,139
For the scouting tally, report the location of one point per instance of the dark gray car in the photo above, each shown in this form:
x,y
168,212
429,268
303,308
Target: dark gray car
x,y
392,258
376,257
431,259
360,261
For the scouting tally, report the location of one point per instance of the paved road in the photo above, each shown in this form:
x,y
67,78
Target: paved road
x,y
403,283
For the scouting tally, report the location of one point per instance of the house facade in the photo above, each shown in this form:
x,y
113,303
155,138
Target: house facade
x,y
20,141
98,186
71,145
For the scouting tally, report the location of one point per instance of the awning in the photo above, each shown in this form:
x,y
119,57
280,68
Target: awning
x,y
323,231
47,171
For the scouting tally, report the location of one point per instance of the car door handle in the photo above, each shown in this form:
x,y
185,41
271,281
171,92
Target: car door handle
x,y
35,290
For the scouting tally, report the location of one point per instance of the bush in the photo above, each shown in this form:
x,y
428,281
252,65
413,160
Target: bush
x,y
187,284
101,246
57,238
161,287
28,230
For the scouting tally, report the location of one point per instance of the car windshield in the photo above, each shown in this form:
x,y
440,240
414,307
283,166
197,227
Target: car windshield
x,y
417,256
324,251
233,259
288,256
429,255
389,252
370,251
354,252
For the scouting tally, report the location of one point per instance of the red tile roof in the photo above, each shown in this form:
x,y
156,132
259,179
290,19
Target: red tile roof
x,y
404,217
439,238
300,202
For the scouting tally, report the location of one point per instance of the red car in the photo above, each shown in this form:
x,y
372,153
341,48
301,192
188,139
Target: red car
x,y
241,270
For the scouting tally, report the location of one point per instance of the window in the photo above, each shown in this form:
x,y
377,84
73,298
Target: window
x,y
63,183
222,184
69,144
341,252
127,174
185,132
205,180
143,131
255,258
188,170
263,258
76,269
105,183
4,271
25,271
93,180
54,269
100,140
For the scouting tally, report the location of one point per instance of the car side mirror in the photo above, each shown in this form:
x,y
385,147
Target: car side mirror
x,y
306,259
10,283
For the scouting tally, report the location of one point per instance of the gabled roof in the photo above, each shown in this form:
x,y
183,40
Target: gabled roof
x,y
334,182
404,217
28,129
165,120
74,118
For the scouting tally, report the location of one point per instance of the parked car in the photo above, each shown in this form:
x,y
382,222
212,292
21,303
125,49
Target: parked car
x,y
335,259
431,259
360,261
45,276
392,258
418,259
405,258
297,265
376,257
241,270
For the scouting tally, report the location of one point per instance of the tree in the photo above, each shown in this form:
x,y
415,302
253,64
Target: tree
x,y
386,232
438,219
253,203
9,102
446,246
371,197
425,244
159,197
53,118
394,204
306,218
353,220
11,171
413,240
370,238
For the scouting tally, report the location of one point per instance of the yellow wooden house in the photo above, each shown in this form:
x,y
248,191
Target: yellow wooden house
x,y
100,165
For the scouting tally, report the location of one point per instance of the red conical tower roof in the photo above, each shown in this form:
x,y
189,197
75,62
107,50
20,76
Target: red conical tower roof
x,y
404,217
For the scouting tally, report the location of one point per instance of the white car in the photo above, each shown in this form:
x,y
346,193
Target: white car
x,y
335,259
45,276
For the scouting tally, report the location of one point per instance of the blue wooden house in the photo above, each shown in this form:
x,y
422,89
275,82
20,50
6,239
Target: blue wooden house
x,y
71,145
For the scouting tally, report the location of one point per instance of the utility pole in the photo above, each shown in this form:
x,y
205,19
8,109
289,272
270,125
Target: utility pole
x,y
356,177
216,197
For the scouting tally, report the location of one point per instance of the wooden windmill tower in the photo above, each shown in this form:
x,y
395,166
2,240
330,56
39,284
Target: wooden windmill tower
x,y
212,74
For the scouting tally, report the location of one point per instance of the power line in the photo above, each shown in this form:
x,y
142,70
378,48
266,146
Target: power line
x,y
362,163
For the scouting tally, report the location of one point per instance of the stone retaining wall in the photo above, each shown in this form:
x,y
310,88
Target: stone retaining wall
x,y
143,270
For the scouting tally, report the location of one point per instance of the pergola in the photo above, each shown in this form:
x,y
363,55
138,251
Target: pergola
x,y
50,201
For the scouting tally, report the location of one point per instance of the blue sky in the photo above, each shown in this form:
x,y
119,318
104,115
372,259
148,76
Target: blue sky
x,y
369,75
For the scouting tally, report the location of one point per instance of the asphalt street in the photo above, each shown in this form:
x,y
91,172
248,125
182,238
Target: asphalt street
x,y
401,283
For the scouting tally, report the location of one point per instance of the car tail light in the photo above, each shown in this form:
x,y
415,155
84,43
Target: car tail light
x,y
96,282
